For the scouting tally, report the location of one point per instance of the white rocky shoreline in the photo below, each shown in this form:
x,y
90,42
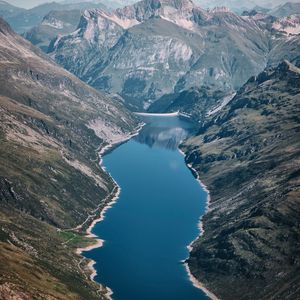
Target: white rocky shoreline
x,y
114,195
196,283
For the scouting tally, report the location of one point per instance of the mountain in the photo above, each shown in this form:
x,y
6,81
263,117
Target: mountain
x,y
286,48
111,4
26,19
55,23
289,25
7,9
286,9
235,5
247,155
52,127
195,103
153,48
239,6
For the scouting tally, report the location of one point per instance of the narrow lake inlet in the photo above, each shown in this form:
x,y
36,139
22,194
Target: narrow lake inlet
x,y
156,217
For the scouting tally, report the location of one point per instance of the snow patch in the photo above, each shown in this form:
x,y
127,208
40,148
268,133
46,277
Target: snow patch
x,y
54,23
224,102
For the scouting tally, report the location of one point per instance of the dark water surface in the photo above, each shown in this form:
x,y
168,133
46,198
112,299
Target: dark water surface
x,y
147,231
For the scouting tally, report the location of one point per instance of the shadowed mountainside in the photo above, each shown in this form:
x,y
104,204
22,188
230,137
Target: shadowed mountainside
x,y
248,156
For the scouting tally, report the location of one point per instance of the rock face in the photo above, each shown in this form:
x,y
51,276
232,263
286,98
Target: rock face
x,y
54,24
248,156
51,127
289,25
157,47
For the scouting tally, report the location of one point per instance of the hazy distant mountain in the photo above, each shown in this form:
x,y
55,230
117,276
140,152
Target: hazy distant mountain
x,y
286,9
54,24
153,48
239,6
111,4
7,9
26,19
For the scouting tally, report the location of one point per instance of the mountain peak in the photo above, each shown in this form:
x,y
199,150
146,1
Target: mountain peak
x,y
156,7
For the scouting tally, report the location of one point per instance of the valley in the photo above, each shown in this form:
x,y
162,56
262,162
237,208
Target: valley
x,y
137,84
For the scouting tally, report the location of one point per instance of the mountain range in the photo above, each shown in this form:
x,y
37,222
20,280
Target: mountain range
x,y
22,20
54,24
286,9
238,6
153,48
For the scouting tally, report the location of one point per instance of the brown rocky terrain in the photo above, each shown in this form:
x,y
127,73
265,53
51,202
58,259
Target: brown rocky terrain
x,y
248,156
50,180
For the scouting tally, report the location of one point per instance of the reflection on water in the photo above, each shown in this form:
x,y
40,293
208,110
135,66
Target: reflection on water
x,y
164,132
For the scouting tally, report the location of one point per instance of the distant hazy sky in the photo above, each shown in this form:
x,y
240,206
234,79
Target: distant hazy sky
x,y
27,3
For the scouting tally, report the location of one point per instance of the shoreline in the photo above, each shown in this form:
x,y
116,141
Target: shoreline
x,y
196,283
173,114
114,197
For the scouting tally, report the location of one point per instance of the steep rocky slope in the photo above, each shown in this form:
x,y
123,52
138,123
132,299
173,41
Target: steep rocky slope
x,y
289,25
54,24
158,47
248,156
25,19
52,126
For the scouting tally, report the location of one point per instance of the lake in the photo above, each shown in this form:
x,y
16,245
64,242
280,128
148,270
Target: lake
x,y
156,217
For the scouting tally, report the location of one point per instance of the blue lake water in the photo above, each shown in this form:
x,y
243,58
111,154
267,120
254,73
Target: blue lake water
x,y
147,231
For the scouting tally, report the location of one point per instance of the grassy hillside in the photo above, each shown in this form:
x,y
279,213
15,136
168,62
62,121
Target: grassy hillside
x,y
50,180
